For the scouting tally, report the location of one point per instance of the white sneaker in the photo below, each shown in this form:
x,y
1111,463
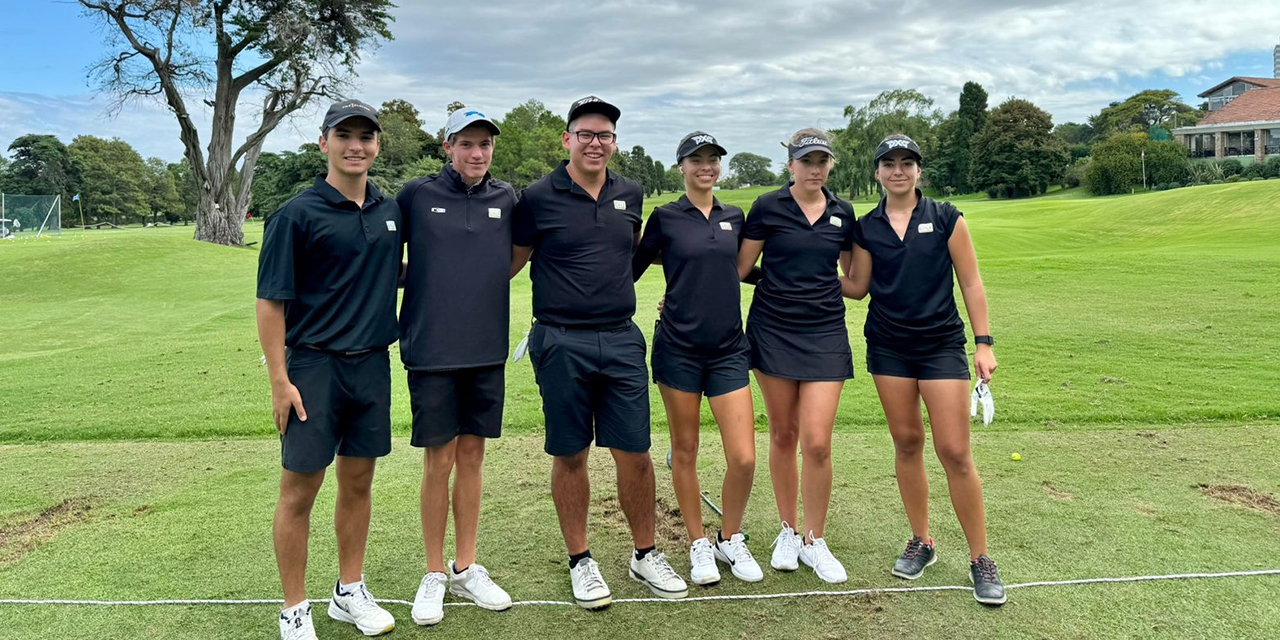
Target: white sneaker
x,y
656,573
786,549
702,563
475,585
428,604
359,608
734,553
818,556
297,626
589,589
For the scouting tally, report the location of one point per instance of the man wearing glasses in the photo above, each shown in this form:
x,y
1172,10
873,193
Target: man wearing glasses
x,y
581,223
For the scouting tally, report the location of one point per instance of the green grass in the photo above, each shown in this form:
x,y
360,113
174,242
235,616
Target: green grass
x,y
1137,339
1151,308
170,520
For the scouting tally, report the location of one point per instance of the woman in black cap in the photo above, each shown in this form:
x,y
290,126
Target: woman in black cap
x,y
905,253
699,349
799,345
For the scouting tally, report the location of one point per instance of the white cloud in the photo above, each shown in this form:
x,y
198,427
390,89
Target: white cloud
x,y
750,71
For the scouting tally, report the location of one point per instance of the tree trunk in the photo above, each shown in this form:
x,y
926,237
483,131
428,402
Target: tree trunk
x,y
219,223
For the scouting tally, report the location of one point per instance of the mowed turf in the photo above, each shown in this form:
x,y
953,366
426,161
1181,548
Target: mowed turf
x,y
165,520
1150,308
1136,338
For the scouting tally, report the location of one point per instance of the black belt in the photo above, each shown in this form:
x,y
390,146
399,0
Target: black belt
x,y
613,326
333,352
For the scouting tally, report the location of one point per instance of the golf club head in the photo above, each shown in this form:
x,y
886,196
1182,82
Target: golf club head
x,y
668,458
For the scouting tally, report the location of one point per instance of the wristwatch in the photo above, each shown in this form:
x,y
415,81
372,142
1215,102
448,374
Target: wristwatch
x,y
987,340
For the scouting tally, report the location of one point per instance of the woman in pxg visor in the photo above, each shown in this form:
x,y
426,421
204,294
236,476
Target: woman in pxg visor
x,y
799,346
905,252
699,349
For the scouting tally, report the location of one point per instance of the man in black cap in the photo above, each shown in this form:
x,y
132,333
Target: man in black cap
x,y
581,224
326,313
454,327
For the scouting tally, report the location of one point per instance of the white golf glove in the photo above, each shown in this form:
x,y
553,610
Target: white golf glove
x,y
982,396
521,348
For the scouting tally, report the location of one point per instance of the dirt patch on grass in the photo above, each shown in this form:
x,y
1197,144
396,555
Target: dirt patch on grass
x,y
669,530
20,538
1055,492
1242,496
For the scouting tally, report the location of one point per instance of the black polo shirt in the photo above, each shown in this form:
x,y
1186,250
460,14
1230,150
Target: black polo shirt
x,y
913,304
801,282
581,268
335,265
456,311
700,261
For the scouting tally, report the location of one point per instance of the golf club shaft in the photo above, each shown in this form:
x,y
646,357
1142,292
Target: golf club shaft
x,y
703,494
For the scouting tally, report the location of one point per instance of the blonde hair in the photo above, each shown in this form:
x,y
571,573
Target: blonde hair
x,y
809,132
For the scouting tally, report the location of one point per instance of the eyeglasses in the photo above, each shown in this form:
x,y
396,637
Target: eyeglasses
x,y
585,137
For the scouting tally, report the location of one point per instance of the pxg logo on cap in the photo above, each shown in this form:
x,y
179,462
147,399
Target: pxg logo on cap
x,y
898,141
692,142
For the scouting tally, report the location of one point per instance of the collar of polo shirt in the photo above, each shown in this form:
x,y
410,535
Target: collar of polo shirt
x,y
785,193
561,180
331,195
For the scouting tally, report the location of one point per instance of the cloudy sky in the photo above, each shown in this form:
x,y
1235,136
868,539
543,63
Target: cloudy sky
x,y
749,71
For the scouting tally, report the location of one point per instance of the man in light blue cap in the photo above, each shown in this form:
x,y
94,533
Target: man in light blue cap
x,y
453,342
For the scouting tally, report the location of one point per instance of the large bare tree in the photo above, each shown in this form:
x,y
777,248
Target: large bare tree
x,y
286,52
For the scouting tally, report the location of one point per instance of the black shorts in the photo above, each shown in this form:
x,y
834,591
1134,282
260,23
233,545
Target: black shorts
x,y
809,355
447,404
348,403
710,375
946,362
594,386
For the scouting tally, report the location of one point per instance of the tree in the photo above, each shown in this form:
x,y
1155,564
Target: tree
x,y
286,52
673,179
403,140
1015,154
1074,133
284,175
1144,110
41,165
113,179
162,192
751,168
529,146
1116,164
948,167
905,111
184,180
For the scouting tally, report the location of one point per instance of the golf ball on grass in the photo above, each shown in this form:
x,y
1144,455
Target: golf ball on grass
x,y
1015,456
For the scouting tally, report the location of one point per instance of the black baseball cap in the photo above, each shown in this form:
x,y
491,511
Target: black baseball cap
x,y
809,144
592,104
340,111
697,140
897,141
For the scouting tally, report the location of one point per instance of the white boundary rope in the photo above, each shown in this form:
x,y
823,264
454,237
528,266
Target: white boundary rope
x,y
762,596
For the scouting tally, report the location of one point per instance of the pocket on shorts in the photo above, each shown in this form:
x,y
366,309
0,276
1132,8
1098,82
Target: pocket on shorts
x,y
303,358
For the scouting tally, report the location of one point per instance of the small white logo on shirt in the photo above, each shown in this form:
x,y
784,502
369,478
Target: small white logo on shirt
x,y
925,227
726,226
391,225
837,221
495,213
620,205
437,209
